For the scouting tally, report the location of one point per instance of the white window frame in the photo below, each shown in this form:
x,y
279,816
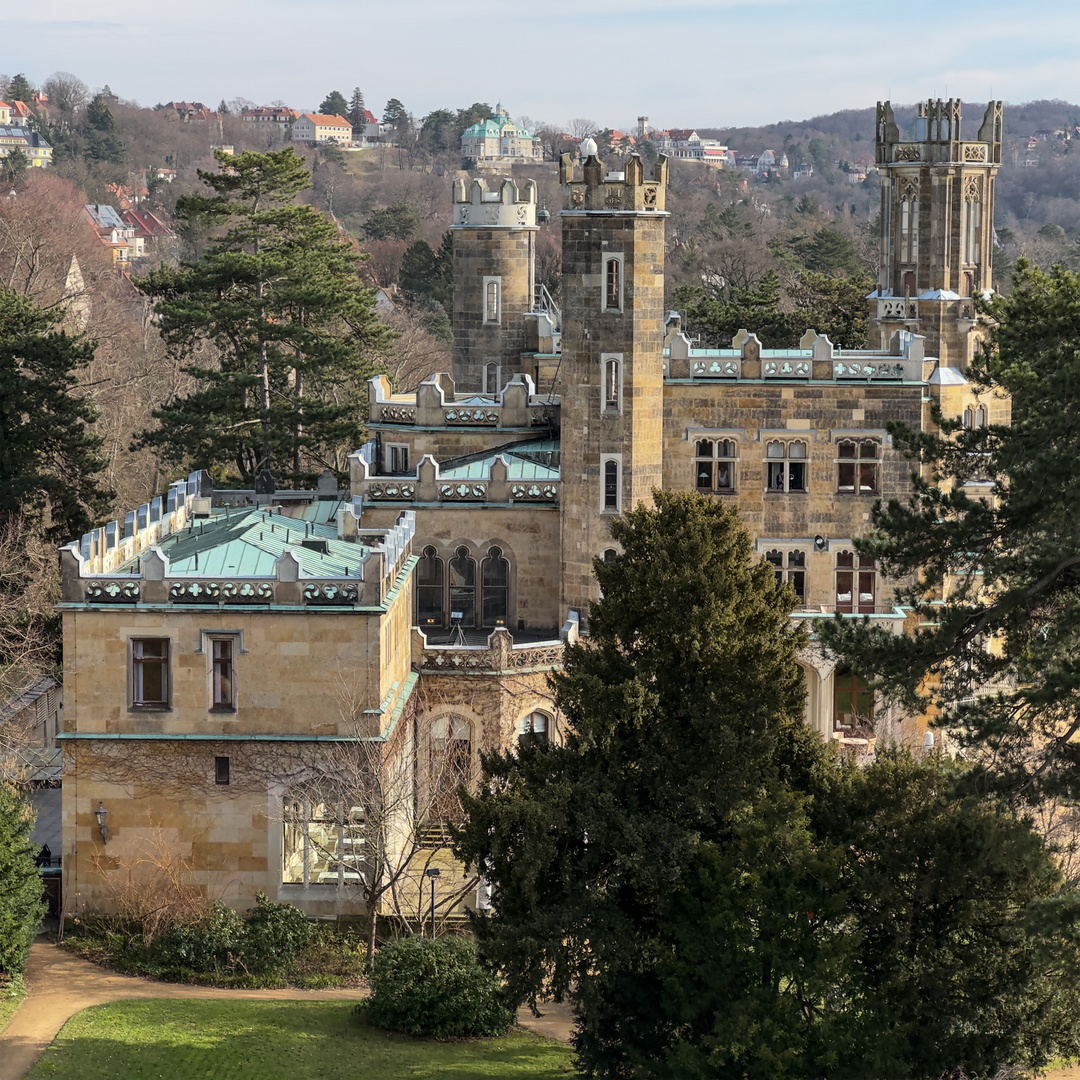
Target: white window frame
x,y
134,673
608,257
733,458
604,459
606,405
785,570
497,282
389,450
788,460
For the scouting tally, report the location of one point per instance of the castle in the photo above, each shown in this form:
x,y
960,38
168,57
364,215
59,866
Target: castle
x,y
220,645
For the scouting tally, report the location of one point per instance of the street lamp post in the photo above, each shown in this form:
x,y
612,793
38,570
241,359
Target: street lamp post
x,y
433,873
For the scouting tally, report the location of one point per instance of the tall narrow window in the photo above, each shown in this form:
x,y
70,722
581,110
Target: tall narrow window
x,y
221,770
491,379
534,727
223,675
491,300
613,286
150,672
429,589
785,466
909,226
612,385
463,588
495,582
450,764
856,584
611,484
853,701
858,466
790,567
714,465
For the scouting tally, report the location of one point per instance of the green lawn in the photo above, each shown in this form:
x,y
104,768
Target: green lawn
x,y
10,998
272,1040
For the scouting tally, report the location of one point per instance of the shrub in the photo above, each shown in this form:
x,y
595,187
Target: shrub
x,y
274,934
21,907
435,988
212,942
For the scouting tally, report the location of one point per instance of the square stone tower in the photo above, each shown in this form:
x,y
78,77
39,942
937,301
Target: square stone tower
x,y
494,280
612,371
937,227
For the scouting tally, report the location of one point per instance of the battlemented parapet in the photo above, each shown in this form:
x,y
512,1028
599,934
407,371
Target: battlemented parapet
x,y
507,207
589,186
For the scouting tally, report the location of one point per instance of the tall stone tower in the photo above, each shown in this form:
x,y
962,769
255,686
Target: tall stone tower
x,y
494,278
611,378
937,227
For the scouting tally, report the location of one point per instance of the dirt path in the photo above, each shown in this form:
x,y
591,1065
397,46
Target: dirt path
x,y
60,984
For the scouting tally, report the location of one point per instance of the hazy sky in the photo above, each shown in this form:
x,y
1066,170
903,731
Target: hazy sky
x,y
700,63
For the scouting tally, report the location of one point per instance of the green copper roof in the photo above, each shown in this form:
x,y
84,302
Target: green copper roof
x,y
248,543
535,460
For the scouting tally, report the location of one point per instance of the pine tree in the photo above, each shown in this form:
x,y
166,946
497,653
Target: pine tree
x,y
1005,546
21,907
279,300
357,113
103,140
334,104
51,462
19,89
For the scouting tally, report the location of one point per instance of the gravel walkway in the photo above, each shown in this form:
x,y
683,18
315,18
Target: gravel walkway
x,y
60,984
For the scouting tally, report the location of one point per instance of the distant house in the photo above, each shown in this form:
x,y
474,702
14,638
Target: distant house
x,y
190,111
274,117
115,233
500,139
688,145
150,230
319,128
372,132
14,136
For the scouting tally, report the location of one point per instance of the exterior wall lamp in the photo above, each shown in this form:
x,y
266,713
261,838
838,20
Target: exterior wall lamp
x,y
100,813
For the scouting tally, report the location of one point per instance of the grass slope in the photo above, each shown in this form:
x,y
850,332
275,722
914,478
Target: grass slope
x,y
272,1040
11,997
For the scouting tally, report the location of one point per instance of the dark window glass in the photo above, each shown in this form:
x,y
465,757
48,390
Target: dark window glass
x,y
150,671
463,587
221,770
611,485
224,683
429,589
495,587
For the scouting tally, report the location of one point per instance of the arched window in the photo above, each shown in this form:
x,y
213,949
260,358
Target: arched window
x,y
463,588
714,465
429,589
611,483
969,417
981,416
535,726
909,227
858,466
610,555
856,583
613,283
491,379
495,581
785,466
612,385
449,764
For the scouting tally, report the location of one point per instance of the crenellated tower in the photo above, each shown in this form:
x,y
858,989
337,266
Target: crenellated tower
x,y
611,378
494,279
937,227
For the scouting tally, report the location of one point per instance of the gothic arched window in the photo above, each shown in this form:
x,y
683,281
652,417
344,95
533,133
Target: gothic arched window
x,y
495,587
429,589
463,587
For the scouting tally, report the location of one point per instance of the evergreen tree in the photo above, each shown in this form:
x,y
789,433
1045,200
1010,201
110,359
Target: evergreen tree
x,y
21,888
715,892
334,104
356,115
1005,547
428,275
19,89
397,222
757,309
14,164
833,306
51,461
278,298
103,140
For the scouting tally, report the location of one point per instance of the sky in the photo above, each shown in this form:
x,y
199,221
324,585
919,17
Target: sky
x,y
686,63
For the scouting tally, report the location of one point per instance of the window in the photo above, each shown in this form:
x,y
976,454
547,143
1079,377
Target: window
x,y
463,587
150,672
397,459
856,583
223,674
858,466
613,284
221,770
450,763
323,841
610,555
714,465
494,584
853,701
790,567
429,589
610,467
491,379
972,226
785,466
612,384
534,726
492,300
909,227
